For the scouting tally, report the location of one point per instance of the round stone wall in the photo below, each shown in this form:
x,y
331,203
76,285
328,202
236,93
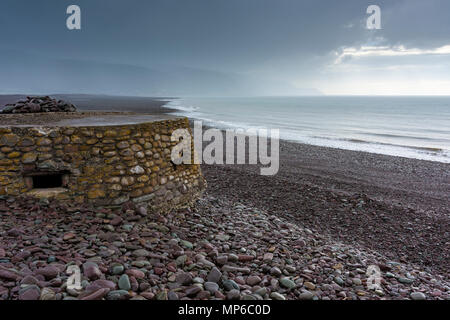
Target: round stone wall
x,y
104,164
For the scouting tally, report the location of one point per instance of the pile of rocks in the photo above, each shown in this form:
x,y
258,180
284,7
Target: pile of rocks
x,y
218,250
39,104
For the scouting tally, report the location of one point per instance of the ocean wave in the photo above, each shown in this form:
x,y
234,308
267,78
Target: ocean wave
x,y
435,150
300,129
193,113
416,152
398,136
178,104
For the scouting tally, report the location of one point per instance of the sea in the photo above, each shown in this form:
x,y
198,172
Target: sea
x,y
412,127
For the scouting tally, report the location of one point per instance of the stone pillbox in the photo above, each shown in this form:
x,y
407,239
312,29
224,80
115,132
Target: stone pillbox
x,y
106,158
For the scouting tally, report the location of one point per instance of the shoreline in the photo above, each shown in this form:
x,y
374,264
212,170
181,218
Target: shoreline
x,y
409,198
420,144
309,232
156,105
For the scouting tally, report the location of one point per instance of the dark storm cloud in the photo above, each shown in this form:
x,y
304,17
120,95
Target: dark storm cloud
x,y
281,38
233,32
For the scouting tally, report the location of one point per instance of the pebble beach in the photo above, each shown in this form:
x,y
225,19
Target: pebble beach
x,y
309,233
216,250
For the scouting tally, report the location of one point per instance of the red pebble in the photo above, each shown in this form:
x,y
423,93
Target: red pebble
x,y
158,271
245,257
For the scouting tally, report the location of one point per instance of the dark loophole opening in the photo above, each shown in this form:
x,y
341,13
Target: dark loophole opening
x,y
48,181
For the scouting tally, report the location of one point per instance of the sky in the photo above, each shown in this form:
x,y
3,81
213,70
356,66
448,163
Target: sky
x,y
273,44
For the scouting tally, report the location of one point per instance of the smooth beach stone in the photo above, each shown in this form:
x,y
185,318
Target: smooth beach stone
x,y
172,296
138,274
192,291
117,295
307,295
117,269
230,285
181,260
233,257
261,292
141,253
91,270
184,278
127,227
186,244
101,283
214,275
275,271
405,280
124,282
198,280
211,287
31,292
287,283
418,296
277,296
339,281
233,294
253,280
